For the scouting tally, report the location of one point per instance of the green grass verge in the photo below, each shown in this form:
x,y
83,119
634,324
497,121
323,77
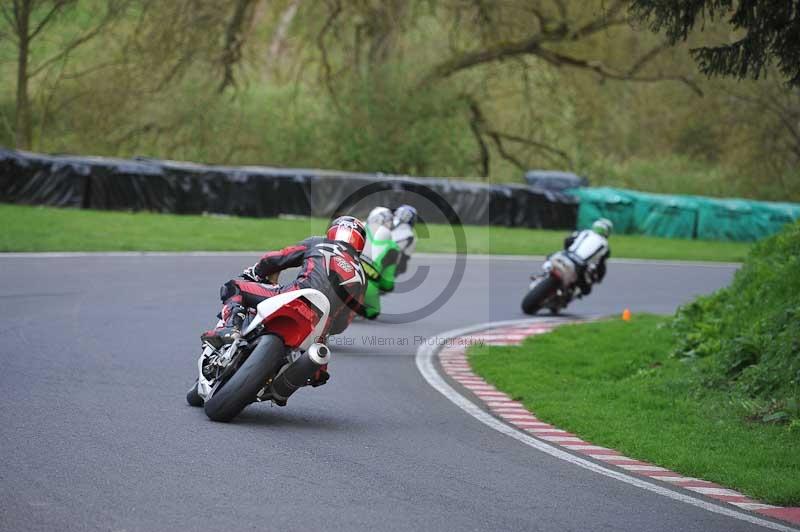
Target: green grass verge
x,y
49,229
614,384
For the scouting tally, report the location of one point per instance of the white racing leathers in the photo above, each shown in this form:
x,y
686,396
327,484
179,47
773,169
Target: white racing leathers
x,y
592,250
404,237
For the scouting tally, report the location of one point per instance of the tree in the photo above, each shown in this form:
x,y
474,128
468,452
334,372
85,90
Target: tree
x,y
767,33
479,49
26,21
553,33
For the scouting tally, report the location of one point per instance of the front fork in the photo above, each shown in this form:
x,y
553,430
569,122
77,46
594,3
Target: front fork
x,y
213,360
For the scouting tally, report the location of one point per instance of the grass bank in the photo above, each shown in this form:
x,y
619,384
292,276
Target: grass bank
x,y
615,384
28,228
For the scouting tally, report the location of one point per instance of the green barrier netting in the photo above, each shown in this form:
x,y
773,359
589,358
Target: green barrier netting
x,y
729,219
775,215
602,202
675,216
665,216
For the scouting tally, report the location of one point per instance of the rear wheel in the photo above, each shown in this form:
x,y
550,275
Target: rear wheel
x,y
241,388
536,296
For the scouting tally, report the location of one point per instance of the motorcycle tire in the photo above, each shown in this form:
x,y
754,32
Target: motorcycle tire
x,y
192,397
241,388
536,297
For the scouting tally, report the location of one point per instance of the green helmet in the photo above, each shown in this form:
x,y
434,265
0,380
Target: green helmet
x,y
603,227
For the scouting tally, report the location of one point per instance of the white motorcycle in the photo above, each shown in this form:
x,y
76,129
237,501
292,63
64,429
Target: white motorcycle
x,y
277,353
563,272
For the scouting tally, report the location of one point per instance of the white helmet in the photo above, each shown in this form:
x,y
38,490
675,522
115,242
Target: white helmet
x,y
380,216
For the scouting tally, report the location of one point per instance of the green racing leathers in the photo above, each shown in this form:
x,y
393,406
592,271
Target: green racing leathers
x,y
379,260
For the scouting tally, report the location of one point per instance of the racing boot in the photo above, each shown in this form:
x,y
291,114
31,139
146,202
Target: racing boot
x,y
233,315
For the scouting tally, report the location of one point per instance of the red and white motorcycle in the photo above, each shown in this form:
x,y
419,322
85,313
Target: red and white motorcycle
x,y
277,353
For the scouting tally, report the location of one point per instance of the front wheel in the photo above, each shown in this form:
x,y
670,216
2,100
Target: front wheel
x,y
536,296
242,387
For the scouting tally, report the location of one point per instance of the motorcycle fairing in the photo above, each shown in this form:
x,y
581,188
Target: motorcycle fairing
x,y
563,267
287,311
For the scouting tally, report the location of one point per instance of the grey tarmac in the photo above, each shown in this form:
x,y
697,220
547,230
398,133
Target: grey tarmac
x,y
98,352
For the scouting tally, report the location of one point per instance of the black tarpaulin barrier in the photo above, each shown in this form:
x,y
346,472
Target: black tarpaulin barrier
x,y
502,205
334,194
196,188
114,184
542,209
188,188
43,180
560,209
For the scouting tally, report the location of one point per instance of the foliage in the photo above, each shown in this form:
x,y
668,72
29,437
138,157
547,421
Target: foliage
x,y
746,338
395,130
462,88
766,33
614,384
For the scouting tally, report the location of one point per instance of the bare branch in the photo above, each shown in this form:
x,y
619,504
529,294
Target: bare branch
x,y
57,6
490,54
558,59
234,40
111,13
605,21
476,125
285,21
10,18
335,9
498,142
646,58
532,143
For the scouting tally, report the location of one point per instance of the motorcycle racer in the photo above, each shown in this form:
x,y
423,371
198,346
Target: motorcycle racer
x,y
592,248
329,264
379,259
405,216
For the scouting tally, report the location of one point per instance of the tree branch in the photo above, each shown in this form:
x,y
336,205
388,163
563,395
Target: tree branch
x,y
476,125
606,20
558,60
498,142
111,13
335,9
10,18
57,6
532,143
232,52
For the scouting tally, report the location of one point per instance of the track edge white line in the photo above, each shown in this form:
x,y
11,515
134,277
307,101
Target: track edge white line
x,y
424,361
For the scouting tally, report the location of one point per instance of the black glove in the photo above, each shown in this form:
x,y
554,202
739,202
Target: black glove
x,y
251,275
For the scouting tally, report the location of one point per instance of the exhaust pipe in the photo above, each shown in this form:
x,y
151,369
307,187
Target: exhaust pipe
x,y
297,374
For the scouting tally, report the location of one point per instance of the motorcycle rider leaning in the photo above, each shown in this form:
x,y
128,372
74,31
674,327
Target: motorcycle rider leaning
x,y
596,257
379,260
329,264
405,216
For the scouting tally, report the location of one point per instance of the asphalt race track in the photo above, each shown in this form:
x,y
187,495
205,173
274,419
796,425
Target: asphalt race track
x,y
98,352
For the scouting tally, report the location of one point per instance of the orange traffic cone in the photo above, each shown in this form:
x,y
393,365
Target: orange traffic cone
x,y
626,315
